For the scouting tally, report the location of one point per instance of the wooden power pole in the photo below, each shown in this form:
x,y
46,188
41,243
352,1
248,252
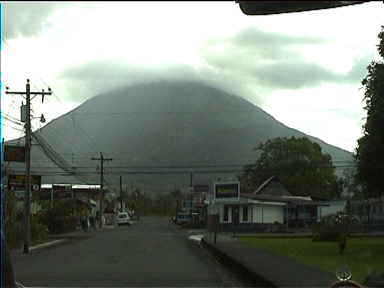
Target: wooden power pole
x,y
26,117
121,194
101,159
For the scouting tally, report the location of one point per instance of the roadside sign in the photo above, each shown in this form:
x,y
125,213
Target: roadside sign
x,y
17,182
14,153
19,194
226,191
45,193
201,188
62,191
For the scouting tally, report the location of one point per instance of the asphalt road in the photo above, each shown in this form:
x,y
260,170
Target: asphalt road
x,y
151,253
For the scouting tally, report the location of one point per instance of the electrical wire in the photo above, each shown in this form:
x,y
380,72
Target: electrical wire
x,y
10,116
93,144
12,121
189,167
53,155
170,170
14,128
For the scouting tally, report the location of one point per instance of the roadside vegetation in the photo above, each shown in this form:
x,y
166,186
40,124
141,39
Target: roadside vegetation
x,y
14,223
362,255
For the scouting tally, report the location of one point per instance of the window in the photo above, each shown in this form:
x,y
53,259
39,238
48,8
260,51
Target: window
x,y
226,212
245,214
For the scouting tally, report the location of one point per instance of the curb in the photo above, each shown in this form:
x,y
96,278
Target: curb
x,y
238,268
58,239
47,244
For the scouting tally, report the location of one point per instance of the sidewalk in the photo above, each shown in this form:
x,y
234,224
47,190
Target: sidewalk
x,y
276,270
80,234
56,239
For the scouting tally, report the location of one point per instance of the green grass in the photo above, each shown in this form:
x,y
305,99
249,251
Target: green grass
x,y
362,255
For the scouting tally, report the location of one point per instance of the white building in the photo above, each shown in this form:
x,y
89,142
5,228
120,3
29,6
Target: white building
x,y
251,211
270,204
332,208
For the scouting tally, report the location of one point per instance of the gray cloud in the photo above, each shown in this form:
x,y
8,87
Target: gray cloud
x,y
247,64
359,69
263,45
293,74
97,77
273,60
26,19
271,45
254,37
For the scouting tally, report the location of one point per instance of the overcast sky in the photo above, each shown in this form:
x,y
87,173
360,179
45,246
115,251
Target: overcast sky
x,y
305,69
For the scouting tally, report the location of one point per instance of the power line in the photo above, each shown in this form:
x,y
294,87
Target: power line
x,y
56,157
101,159
190,163
150,170
92,143
4,114
186,167
12,121
14,128
27,208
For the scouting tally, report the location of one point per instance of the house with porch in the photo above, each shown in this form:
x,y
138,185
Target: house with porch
x,y
270,207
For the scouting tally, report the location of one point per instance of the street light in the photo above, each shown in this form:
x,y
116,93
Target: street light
x,y
42,118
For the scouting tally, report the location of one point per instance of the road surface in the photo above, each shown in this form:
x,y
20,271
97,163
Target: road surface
x,y
150,253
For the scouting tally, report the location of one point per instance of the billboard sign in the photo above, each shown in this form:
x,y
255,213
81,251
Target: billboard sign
x,y
17,182
62,191
14,153
201,188
45,194
226,191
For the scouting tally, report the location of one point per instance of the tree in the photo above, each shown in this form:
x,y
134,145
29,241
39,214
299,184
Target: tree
x,y
370,150
300,165
351,186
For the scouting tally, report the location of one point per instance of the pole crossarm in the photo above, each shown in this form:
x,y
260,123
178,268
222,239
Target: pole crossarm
x,y
28,133
102,160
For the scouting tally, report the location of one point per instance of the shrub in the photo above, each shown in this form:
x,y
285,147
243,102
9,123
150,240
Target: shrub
x,y
331,228
59,219
15,235
15,232
39,231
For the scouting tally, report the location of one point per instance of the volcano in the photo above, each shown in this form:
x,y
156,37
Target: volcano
x,y
157,134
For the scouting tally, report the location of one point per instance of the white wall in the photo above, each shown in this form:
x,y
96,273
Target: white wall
x,y
256,214
274,213
334,207
268,214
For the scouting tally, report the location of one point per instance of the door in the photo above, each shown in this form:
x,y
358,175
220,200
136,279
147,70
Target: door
x,y
235,215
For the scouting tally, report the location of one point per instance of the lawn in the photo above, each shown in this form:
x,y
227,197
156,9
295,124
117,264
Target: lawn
x,y
362,255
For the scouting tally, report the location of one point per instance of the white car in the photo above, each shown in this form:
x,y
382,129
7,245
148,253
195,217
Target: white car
x,y
123,218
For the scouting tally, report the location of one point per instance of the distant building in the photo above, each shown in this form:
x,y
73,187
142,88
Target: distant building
x,y
333,207
368,210
269,205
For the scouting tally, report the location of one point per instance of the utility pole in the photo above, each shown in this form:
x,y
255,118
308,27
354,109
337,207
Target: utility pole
x,y
28,132
101,159
121,194
129,199
144,204
191,196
